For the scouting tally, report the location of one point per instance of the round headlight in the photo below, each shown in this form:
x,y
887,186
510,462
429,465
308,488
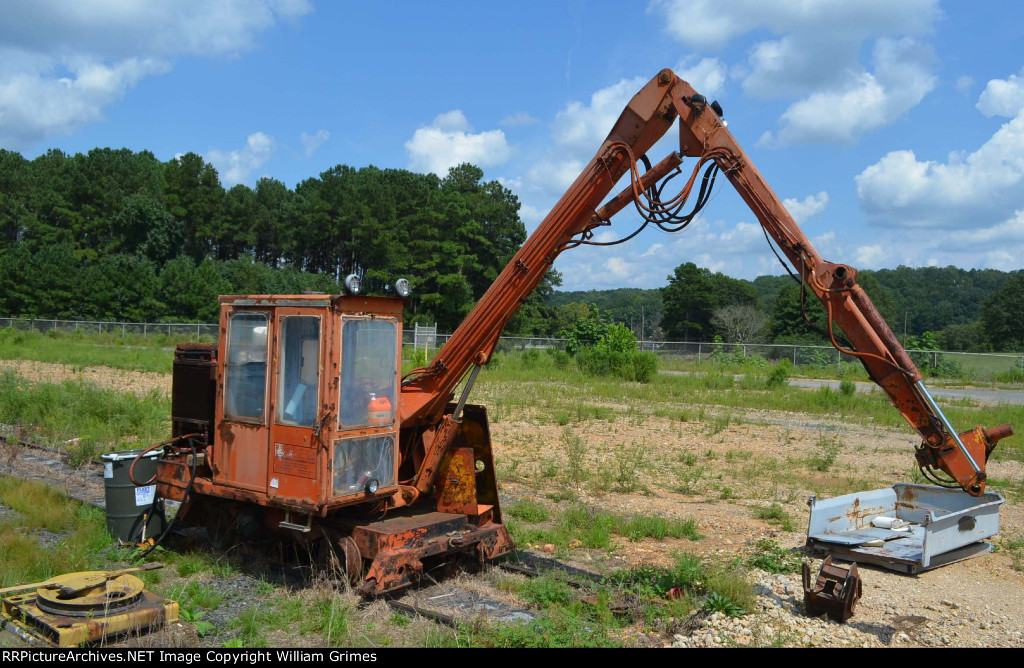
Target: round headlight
x,y
403,287
352,284
371,486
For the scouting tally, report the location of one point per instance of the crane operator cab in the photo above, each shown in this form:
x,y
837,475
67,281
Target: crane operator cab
x,y
303,411
325,402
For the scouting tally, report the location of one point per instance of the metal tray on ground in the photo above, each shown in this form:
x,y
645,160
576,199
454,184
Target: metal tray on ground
x,y
946,525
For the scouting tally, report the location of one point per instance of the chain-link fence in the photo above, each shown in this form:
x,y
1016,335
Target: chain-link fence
x,y
182,329
946,362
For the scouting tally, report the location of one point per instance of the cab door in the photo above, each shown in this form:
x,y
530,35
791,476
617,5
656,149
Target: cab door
x,y
296,404
240,457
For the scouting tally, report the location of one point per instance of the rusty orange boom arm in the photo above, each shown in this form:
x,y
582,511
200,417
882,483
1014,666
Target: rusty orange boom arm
x,y
704,136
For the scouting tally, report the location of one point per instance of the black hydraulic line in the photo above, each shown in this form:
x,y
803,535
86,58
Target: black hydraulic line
x,y
184,500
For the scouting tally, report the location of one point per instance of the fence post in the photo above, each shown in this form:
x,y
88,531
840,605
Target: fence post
x,y
794,355
698,353
935,360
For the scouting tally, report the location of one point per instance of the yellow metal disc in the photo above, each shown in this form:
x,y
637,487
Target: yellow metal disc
x,y
88,593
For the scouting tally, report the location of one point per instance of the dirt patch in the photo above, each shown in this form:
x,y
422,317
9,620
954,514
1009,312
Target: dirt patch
x,y
141,383
723,471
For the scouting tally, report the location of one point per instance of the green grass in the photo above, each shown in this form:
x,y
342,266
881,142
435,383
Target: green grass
x,y
575,625
327,618
135,353
528,510
1015,548
581,526
829,448
570,617
101,420
777,515
658,528
723,588
82,541
194,594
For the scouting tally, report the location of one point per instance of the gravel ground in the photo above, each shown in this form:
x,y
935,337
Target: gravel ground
x,y
886,616
974,603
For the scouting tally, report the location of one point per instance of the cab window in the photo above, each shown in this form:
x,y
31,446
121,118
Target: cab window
x,y
299,382
245,369
368,372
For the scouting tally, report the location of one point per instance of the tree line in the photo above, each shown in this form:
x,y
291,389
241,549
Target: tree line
x,y
974,310
120,235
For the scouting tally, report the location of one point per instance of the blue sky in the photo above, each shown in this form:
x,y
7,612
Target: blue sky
x,y
893,130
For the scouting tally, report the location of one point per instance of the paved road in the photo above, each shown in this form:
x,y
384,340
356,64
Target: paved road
x,y
983,395
979,394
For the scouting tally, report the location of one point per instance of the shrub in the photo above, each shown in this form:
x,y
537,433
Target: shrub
x,y
559,357
779,375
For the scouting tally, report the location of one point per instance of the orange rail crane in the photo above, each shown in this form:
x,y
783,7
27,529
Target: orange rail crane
x,y
299,420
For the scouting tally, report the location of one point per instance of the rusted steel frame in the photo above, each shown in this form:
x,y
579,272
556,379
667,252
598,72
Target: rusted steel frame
x,y
835,592
886,361
393,569
627,195
437,442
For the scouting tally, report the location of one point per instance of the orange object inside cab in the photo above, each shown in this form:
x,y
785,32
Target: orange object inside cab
x,y
307,388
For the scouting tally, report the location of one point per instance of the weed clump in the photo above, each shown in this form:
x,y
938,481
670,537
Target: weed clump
x,y
769,556
777,515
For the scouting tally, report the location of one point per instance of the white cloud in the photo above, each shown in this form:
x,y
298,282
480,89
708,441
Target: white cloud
x,y
235,166
452,121
553,177
618,268
520,118
531,215
581,128
969,191
33,107
808,207
827,246
653,250
449,141
62,63
963,84
707,76
310,143
117,29
815,55
1007,233
711,24
869,101
1003,97
871,257
578,132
